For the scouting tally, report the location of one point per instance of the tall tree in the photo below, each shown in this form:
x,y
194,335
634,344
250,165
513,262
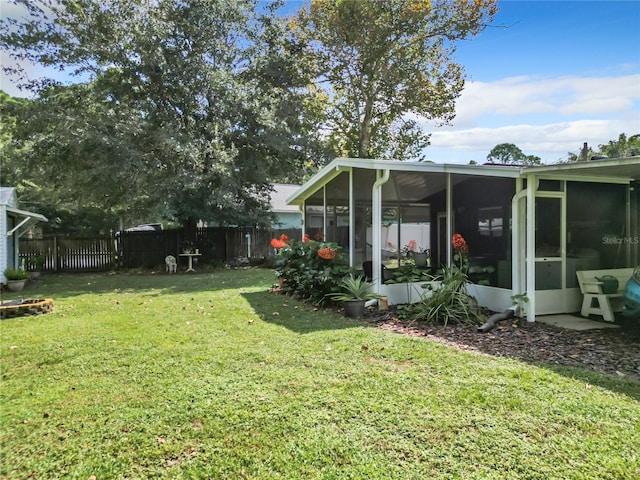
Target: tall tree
x,y
384,63
508,153
182,115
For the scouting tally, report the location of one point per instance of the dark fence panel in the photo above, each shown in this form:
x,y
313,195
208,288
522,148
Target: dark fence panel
x,y
149,249
255,242
212,244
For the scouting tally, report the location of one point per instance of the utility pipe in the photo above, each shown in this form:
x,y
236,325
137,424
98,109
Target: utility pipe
x,y
376,237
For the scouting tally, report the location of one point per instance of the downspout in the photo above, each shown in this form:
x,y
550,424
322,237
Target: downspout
x,y
449,209
352,222
532,186
516,271
376,236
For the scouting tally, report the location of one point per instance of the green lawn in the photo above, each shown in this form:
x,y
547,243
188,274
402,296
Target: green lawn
x,y
211,376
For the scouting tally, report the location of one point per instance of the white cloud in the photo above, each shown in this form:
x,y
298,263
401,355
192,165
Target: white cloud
x,y
547,117
521,96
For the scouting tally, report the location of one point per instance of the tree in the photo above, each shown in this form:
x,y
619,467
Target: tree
x,y
184,114
385,64
508,153
623,147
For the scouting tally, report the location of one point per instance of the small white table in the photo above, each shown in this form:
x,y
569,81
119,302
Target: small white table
x,y
190,257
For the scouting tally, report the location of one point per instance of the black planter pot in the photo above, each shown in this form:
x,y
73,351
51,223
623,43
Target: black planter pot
x,y
353,308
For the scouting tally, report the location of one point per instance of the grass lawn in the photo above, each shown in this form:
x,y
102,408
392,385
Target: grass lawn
x,y
211,376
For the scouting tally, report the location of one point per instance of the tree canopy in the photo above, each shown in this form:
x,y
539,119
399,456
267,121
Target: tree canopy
x,y
621,148
508,153
386,63
190,111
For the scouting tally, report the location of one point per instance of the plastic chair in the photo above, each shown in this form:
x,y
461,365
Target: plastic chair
x,y
172,265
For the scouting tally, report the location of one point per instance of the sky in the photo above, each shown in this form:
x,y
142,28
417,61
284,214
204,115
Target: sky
x,y
547,76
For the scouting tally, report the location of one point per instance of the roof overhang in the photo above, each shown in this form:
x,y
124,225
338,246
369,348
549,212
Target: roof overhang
x,y
339,165
28,219
617,170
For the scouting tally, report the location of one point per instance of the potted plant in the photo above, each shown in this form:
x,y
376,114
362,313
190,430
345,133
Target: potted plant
x,y
35,265
187,246
421,257
16,279
354,293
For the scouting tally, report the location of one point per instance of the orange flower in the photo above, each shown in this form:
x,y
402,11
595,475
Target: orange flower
x,y
275,243
305,239
459,244
327,253
284,238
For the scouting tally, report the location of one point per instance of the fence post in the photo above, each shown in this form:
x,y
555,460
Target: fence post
x,y
55,253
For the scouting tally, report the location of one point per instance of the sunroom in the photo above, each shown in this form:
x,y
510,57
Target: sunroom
x,y
528,228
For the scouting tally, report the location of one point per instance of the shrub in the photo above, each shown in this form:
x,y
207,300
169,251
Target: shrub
x,y
311,269
450,302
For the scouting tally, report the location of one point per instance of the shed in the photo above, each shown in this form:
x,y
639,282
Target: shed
x,y
14,223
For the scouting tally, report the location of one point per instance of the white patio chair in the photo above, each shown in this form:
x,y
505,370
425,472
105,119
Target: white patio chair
x,y
172,265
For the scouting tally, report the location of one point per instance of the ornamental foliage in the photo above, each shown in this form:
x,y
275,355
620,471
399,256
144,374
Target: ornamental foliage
x,y
450,302
310,269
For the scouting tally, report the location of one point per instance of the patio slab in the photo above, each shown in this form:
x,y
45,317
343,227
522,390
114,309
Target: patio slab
x,y
573,322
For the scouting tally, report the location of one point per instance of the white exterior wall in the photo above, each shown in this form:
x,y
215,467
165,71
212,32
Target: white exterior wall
x,y
3,242
11,201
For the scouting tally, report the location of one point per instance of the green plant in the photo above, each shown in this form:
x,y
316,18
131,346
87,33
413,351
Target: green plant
x,y
408,272
35,262
520,300
353,288
16,274
310,269
449,302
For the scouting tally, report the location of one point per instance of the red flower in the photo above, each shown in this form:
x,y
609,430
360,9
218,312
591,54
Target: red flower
x,y
459,244
327,253
284,238
305,239
275,243
318,236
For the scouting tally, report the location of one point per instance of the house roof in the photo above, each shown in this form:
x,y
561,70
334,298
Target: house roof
x,y
610,170
340,165
25,218
7,196
279,196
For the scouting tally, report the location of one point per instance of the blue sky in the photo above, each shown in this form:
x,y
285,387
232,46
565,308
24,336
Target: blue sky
x,y
546,76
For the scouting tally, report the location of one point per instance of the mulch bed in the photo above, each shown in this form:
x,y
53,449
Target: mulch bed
x,y
614,352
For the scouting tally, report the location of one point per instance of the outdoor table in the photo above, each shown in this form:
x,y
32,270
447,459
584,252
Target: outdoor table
x,y
190,257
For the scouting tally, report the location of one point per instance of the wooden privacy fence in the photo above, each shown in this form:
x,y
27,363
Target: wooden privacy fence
x,y
149,248
67,254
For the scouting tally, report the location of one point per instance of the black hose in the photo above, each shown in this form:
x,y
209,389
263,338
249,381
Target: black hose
x,y
493,320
